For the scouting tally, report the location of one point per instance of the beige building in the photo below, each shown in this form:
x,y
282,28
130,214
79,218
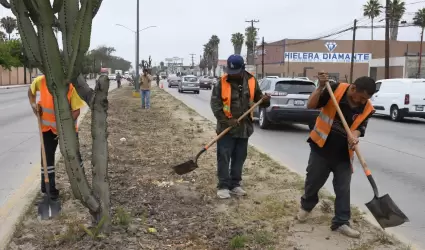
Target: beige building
x,y
291,57
16,76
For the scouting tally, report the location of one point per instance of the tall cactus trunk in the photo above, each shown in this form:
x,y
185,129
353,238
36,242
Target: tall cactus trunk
x,y
41,47
100,182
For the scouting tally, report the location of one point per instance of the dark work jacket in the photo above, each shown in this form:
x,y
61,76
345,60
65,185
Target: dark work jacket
x,y
239,105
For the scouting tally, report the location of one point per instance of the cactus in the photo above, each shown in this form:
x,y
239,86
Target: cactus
x,y
74,20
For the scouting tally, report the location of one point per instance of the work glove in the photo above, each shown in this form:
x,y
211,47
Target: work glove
x,y
232,122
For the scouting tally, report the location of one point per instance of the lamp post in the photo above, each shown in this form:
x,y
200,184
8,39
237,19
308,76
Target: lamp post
x,y
136,35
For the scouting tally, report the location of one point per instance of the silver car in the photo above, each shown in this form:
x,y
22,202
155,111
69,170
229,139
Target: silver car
x,y
189,83
288,103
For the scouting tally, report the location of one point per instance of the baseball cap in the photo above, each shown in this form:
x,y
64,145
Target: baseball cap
x,y
235,64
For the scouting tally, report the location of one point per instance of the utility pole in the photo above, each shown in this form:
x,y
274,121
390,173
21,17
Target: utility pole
x,y
420,54
353,50
136,84
387,39
193,62
253,44
262,58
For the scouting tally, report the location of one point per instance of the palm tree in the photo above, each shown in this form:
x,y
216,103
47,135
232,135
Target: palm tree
x,y
396,11
419,20
161,64
2,36
214,41
202,65
251,43
8,24
237,41
372,9
208,54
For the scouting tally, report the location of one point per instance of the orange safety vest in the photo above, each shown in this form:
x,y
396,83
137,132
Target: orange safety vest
x,y
226,95
324,121
48,119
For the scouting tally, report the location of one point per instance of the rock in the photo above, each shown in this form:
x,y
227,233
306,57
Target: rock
x,y
132,229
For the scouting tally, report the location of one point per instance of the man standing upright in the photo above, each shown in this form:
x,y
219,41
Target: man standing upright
x,y
118,78
145,89
231,97
45,109
331,148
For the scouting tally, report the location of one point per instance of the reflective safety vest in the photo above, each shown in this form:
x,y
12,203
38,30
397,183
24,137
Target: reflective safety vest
x,y
324,121
226,95
48,119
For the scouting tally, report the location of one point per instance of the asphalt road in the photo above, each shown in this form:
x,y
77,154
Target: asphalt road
x,y
395,153
19,139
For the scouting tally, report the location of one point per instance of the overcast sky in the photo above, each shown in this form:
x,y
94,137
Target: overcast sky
x,y
183,26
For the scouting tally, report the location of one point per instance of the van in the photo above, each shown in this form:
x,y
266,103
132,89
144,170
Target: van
x,y
400,98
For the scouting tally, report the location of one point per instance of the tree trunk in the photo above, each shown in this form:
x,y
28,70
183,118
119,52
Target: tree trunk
x,y
371,28
238,49
249,56
100,181
69,147
214,69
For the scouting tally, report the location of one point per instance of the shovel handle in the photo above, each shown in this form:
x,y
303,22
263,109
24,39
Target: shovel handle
x,y
43,151
218,137
366,169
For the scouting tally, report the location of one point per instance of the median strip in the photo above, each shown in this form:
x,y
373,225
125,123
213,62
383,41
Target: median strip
x,y
155,209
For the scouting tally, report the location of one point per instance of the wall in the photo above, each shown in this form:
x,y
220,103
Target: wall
x,y
412,66
15,76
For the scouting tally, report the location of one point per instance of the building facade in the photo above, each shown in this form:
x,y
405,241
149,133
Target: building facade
x,y
292,58
16,76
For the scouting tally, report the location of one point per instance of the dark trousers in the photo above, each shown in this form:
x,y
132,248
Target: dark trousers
x,y
318,171
50,145
231,155
118,83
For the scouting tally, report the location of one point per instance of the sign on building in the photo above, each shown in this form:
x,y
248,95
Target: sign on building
x,y
327,57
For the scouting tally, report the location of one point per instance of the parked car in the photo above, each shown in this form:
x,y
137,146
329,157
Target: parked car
x,y
112,77
288,103
206,82
189,83
400,98
173,81
304,78
272,77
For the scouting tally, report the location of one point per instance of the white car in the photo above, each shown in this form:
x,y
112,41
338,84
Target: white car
x,y
112,77
400,98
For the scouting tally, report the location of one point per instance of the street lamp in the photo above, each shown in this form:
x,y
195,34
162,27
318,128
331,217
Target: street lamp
x,y
136,33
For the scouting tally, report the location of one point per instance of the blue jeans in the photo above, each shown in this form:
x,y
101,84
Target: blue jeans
x,y
231,155
146,98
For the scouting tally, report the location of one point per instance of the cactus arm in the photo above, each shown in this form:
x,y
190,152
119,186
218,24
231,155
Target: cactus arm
x,y
27,32
57,5
67,16
81,37
5,4
96,6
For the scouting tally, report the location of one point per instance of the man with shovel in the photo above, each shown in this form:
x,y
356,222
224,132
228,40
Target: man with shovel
x,y
231,97
332,149
45,109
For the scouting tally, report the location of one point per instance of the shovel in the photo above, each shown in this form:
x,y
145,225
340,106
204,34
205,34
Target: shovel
x,y
191,165
385,211
47,208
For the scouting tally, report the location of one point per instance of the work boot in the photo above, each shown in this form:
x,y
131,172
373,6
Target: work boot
x,y
302,215
348,231
223,193
238,191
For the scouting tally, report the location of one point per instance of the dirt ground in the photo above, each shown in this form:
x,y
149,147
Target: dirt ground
x,y
156,209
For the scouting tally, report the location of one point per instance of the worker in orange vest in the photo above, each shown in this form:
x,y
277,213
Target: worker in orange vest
x,y
332,149
233,95
45,108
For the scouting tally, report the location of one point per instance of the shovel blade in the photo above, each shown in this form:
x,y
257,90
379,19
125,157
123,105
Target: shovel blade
x,y
185,168
386,212
48,208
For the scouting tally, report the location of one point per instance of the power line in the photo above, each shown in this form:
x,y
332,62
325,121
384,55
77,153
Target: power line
x,y
414,2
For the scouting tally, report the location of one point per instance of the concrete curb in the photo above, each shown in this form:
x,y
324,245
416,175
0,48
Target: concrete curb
x,y
15,208
14,86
